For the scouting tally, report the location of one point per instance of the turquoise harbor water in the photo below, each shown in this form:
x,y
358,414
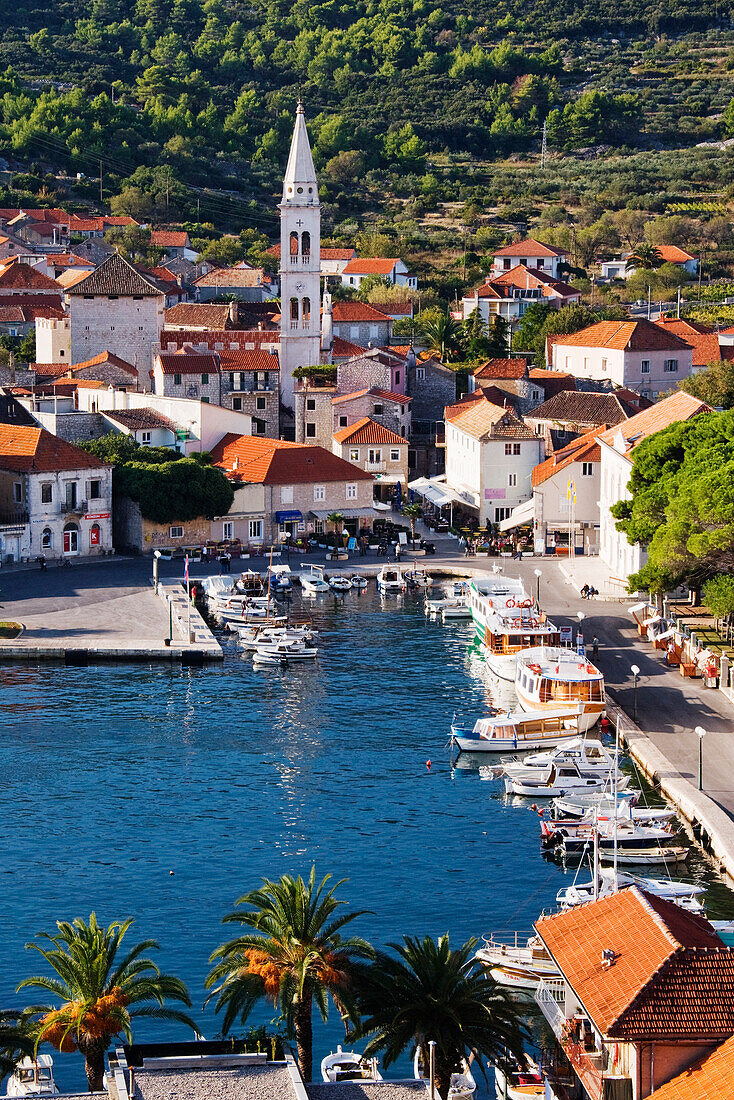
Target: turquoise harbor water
x,y
114,777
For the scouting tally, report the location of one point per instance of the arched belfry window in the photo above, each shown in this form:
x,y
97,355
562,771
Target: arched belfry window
x,y
306,312
294,247
294,312
306,246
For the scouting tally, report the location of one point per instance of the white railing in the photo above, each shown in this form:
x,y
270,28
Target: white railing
x,y
294,324
306,259
375,467
551,998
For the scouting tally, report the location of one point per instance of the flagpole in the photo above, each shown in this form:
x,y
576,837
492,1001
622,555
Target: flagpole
x,y
188,602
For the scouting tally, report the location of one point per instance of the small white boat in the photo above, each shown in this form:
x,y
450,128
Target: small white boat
x,y
269,659
648,857
33,1077
516,732
339,583
418,578
576,838
269,637
456,609
520,962
518,1082
685,894
452,589
281,578
550,677
358,581
289,651
347,1065
391,579
602,807
552,781
462,1087
588,754
312,580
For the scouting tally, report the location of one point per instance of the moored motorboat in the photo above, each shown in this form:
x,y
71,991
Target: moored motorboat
x,y
513,1081
33,1077
519,961
312,580
358,581
554,678
455,609
391,579
462,1087
339,583
289,651
601,806
516,732
587,753
576,838
347,1065
552,781
418,578
280,578
687,895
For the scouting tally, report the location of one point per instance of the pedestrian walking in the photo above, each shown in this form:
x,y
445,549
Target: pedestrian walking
x,y
227,562
397,552
595,646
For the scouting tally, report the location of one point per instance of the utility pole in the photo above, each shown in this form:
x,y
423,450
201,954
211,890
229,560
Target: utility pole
x,y
544,146
168,181
198,204
100,179
464,263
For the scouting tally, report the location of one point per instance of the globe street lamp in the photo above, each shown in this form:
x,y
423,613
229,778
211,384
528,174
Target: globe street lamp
x,y
538,574
701,734
636,673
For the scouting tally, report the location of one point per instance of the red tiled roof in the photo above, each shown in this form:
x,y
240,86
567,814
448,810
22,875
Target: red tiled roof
x,y
234,276
276,462
583,407
11,315
708,1077
374,391
15,275
704,341
250,339
368,431
371,266
137,419
356,311
52,214
188,362
502,368
584,449
679,406
529,278
552,381
638,335
68,259
671,976
248,360
531,248
671,254
34,450
476,418
105,357
344,349
169,238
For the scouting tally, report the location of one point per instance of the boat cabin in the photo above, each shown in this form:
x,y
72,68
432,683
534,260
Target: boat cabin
x,y
567,680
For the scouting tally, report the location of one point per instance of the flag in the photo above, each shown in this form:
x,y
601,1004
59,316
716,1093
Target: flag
x,y
186,571
571,490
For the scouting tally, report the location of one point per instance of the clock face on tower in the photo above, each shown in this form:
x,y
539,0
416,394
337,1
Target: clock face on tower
x,y
299,286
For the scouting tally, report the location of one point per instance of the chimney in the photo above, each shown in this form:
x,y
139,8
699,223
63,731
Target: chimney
x,y
233,312
259,326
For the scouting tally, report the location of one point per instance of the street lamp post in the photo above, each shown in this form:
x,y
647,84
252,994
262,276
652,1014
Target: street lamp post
x,y
636,673
701,734
538,574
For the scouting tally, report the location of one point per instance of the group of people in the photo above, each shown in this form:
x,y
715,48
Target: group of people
x,y
588,591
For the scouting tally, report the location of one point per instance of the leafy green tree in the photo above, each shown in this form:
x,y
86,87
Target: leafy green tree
x,y
295,956
718,595
427,991
171,491
99,990
371,284
116,447
714,384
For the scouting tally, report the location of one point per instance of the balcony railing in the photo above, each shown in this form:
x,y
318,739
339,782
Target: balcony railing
x,y
551,998
375,467
68,507
14,518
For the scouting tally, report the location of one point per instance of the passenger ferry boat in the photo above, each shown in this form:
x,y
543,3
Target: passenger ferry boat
x,y
552,678
517,732
508,622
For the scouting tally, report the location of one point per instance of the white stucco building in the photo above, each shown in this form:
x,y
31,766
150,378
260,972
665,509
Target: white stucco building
x,y
531,254
490,457
617,447
637,354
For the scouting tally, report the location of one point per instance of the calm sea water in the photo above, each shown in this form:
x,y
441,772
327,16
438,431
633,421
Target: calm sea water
x,y
114,777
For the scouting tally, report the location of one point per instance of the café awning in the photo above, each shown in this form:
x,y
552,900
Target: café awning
x,y
286,517
439,493
523,513
348,513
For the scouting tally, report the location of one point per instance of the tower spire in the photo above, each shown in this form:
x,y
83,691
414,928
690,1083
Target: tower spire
x,y
300,186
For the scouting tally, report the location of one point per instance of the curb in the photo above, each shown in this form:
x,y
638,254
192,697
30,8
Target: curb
x,y
712,827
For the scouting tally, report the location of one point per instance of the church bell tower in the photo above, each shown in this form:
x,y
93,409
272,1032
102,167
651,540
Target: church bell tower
x,y
300,263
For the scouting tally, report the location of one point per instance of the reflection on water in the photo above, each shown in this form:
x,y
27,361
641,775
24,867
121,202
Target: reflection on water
x,y
113,777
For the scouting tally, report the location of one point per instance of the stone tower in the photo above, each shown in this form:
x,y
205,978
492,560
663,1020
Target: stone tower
x,y
300,263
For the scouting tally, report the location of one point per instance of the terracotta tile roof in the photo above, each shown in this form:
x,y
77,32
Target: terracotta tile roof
x,y
553,381
344,349
374,391
477,418
276,462
371,266
52,214
250,339
34,450
50,370
193,315
234,276
704,341
164,274
402,309
679,406
15,275
11,315
70,277
115,276
137,419
487,290
249,360
502,368
169,238
68,259
528,278
673,255
665,960
682,327
188,362
638,335
369,431
531,248
709,1077
105,357
99,223
584,449
356,311
583,407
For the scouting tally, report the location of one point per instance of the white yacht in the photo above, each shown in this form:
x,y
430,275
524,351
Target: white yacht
x,y
552,678
517,732
554,780
347,1065
462,1087
391,579
519,961
312,580
33,1077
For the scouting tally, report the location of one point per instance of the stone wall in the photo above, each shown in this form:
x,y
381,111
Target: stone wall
x,y
127,326
431,393
133,532
391,416
74,427
111,376
320,415
363,374
376,333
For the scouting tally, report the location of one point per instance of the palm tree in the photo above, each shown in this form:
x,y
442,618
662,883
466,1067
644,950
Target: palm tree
x,y
99,993
296,957
442,334
427,992
644,255
413,512
14,1041
337,518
